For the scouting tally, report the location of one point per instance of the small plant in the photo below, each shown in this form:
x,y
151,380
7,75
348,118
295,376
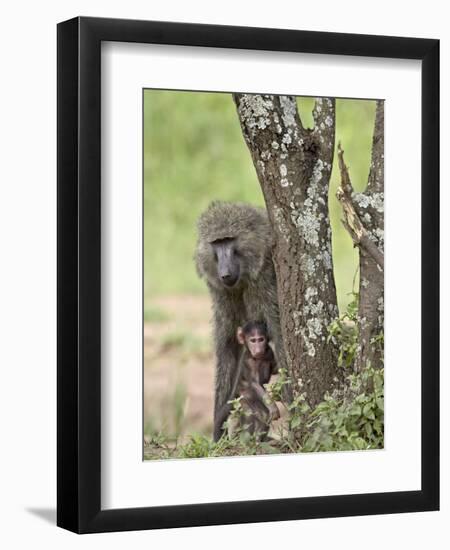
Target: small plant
x,y
157,446
179,407
343,331
277,389
352,417
198,446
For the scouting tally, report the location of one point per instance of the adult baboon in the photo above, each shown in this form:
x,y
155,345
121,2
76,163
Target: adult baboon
x,y
234,255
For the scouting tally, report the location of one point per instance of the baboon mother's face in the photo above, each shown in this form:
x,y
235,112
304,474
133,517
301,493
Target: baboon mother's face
x,y
227,261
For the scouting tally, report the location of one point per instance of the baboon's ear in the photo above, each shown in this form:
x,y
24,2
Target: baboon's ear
x,y
240,336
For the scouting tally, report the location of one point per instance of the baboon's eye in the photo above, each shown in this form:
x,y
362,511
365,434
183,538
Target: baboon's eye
x,y
215,256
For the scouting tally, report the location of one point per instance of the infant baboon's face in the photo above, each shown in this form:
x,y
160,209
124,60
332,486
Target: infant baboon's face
x,y
256,344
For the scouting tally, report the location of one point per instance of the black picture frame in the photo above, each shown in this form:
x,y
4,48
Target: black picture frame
x,y
79,275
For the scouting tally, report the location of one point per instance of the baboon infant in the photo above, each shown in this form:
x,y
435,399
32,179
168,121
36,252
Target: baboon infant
x,y
256,366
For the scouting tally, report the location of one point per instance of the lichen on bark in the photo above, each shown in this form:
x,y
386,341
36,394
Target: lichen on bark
x,y
293,165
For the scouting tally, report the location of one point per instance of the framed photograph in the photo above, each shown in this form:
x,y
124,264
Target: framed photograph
x,y
232,345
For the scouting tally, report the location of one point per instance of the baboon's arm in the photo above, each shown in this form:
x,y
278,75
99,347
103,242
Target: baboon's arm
x,y
264,397
226,366
261,393
223,412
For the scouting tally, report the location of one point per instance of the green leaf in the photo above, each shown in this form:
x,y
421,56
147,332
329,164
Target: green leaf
x,y
368,428
367,411
355,410
295,422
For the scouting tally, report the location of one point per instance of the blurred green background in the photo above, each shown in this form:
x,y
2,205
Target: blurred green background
x,y
194,152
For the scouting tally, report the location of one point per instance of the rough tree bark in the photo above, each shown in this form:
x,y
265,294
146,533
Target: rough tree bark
x,y
364,220
293,165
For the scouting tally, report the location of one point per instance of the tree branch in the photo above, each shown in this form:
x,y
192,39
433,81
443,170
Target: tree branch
x,y
351,221
376,175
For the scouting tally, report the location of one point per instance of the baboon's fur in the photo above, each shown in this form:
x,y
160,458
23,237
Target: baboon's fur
x,y
253,297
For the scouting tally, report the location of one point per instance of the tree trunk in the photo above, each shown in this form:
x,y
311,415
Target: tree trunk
x,y
364,220
293,165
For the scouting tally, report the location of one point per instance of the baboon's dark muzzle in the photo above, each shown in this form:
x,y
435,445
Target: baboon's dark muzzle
x,y
229,280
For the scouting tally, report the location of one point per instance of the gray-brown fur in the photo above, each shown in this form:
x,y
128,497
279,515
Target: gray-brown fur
x,y
253,297
257,364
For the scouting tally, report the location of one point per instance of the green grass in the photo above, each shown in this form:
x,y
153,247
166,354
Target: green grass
x,y
194,152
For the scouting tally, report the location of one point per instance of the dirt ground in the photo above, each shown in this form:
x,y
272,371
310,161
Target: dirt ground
x,y
179,366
